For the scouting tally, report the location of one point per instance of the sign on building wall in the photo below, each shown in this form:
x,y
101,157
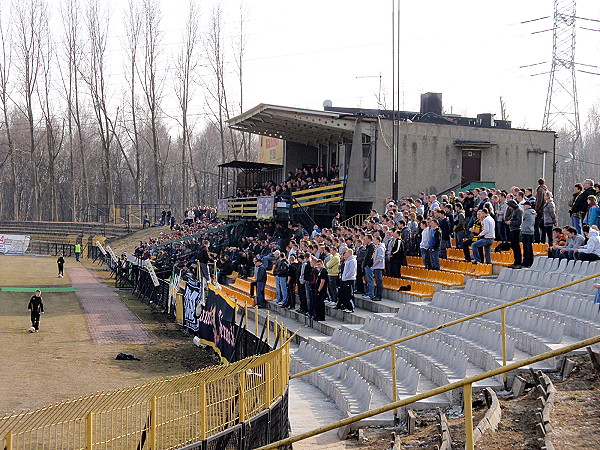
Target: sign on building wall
x,y
270,150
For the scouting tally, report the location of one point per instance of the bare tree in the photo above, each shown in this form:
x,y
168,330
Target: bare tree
x,y
52,143
95,77
134,27
185,69
77,157
152,85
5,67
240,51
29,25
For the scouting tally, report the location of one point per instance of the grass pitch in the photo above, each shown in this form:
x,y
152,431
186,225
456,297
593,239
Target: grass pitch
x,y
61,361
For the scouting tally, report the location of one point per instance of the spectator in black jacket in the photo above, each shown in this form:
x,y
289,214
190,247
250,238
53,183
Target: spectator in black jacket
x,y
204,259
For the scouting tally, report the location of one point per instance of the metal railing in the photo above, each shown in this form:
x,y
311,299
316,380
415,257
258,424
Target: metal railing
x,y
166,413
318,195
392,345
466,384
354,221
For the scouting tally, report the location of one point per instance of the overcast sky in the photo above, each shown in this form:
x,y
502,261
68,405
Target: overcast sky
x,y
301,53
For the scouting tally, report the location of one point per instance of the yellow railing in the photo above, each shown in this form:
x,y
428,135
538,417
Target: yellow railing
x,y
318,195
466,384
392,345
354,221
166,413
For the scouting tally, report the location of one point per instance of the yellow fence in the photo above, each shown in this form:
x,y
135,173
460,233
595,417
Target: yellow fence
x,y
318,195
163,414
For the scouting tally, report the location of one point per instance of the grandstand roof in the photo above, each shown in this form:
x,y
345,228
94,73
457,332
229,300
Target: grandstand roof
x,y
305,126
249,165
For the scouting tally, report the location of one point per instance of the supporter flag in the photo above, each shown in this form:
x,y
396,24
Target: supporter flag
x,y
216,322
191,302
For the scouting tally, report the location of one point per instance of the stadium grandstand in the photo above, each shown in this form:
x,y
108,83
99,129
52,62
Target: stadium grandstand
x,y
393,288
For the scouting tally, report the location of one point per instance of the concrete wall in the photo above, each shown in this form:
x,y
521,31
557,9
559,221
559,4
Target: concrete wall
x,y
431,162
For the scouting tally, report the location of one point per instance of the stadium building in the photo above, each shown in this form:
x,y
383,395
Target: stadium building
x,y
384,153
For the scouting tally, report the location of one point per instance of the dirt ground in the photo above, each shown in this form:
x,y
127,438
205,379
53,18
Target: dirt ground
x,y
61,361
575,419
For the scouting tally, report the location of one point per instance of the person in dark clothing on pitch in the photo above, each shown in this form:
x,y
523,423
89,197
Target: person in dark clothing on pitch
x,y
61,265
36,307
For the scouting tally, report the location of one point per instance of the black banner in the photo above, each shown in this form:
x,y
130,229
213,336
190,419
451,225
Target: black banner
x,y
191,303
217,322
213,319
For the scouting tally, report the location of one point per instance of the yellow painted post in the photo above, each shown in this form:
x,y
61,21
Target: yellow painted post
x,y
9,440
242,391
394,383
89,430
468,410
153,417
268,384
503,314
275,329
203,413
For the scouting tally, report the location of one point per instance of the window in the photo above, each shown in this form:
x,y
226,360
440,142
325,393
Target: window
x,y
368,158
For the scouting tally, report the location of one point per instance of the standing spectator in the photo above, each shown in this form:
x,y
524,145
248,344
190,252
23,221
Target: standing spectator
x,y
146,221
204,259
310,279
321,292
378,268
368,267
425,244
435,241
163,217
281,273
459,224
346,299
540,202
292,280
302,263
61,265
36,307
514,232
592,216
549,219
527,232
485,238
333,271
397,254
445,228
77,252
578,207
261,281
361,253
335,223
502,215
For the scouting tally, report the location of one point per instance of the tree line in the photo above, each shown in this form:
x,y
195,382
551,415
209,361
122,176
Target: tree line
x,y
71,139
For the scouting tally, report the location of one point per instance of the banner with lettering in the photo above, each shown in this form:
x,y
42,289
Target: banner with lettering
x,y
13,244
192,300
217,320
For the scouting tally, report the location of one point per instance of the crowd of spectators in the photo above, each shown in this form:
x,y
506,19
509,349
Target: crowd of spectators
x,y
300,179
331,265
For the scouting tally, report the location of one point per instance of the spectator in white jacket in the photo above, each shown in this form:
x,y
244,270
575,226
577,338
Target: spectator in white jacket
x,y
590,251
346,297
